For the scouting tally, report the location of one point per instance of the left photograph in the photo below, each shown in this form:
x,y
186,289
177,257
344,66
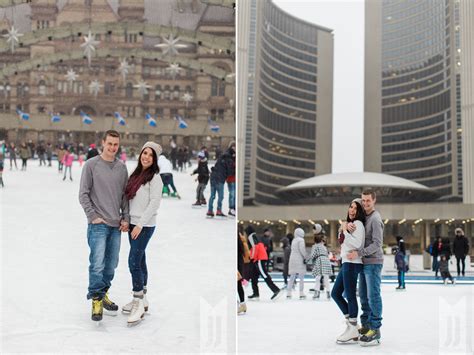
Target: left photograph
x,y
117,176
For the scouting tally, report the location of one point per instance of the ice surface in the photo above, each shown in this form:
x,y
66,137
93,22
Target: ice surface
x,y
44,273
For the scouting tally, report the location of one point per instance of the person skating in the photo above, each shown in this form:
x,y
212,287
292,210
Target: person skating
x,y
436,249
370,277
61,152
143,191
166,173
12,153
243,257
91,152
102,196
460,250
319,256
203,178
68,159
346,281
401,264
444,270
258,268
25,154
286,246
297,265
229,158
218,177
1,170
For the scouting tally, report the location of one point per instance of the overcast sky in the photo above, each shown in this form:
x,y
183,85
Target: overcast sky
x,y
346,18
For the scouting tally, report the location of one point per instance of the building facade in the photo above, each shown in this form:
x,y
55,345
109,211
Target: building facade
x,y
413,86
288,117
46,88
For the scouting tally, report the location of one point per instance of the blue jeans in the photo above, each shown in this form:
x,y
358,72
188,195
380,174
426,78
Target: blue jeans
x,y
137,257
346,282
219,189
401,278
104,244
370,298
231,187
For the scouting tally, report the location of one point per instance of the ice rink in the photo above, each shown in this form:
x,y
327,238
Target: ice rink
x,y
425,319
44,273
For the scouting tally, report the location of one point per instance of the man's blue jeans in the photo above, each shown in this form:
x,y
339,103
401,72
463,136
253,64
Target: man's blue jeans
x,y
231,187
137,257
219,189
104,244
346,283
370,298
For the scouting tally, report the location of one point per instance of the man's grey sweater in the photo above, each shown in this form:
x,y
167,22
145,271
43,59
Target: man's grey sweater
x,y
372,253
102,191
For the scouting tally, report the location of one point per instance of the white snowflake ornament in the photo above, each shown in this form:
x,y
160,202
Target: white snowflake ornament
x,y
187,98
94,87
174,70
89,46
12,37
124,68
170,45
142,87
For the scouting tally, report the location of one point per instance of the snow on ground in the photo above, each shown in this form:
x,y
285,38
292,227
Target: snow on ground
x,y
44,273
425,319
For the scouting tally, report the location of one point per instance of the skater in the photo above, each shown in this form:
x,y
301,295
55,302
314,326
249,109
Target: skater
x,y
436,250
444,270
460,250
229,157
321,264
41,151
24,155
173,154
243,258
1,169
49,153
68,159
144,194
218,177
12,154
401,266
297,266
286,246
92,151
203,177
258,268
346,281
370,277
102,197
166,174
61,153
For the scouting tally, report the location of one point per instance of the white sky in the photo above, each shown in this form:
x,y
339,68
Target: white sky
x,y
346,18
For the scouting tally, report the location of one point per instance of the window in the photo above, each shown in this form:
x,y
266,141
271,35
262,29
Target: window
x,y
42,88
109,87
158,92
176,92
129,90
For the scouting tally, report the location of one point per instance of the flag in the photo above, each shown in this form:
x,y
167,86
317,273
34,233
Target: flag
x,y
151,121
86,118
55,118
120,119
213,126
24,116
182,123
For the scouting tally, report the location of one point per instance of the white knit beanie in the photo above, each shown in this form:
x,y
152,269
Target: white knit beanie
x,y
156,147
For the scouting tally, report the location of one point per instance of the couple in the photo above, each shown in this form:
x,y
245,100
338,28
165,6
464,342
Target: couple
x,y
361,240
114,203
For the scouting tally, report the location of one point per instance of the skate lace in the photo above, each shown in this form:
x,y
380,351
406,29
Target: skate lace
x,y
135,304
96,306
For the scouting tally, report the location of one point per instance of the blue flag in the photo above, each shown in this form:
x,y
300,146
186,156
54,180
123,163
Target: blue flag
x,y
24,116
55,118
86,118
151,121
120,119
213,126
182,122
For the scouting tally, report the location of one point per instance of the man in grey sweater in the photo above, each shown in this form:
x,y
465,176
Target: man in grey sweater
x,y
102,196
371,276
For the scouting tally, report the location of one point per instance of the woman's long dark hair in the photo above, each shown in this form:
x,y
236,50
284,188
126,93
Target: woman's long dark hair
x,y
360,214
151,171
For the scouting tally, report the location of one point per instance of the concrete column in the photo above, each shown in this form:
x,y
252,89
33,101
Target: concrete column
x,y
332,234
427,233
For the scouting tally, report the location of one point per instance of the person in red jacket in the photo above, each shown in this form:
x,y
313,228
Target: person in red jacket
x,y
258,254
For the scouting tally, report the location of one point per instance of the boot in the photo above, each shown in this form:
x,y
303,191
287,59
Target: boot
x,y
138,309
110,307
242,308
316,295
302,296
328,295
203,202
97,309
209,214
220,214
128,307
371,338
351,334
196,204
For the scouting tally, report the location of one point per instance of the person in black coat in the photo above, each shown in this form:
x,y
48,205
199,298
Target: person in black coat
x,y
460,250
203,178
286,245
436,250
218,177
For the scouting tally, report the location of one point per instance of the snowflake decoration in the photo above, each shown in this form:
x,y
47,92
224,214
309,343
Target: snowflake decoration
x,y
187,97
174,70
170,45
94,87
88,45
124,68
71,76
142,87
12,37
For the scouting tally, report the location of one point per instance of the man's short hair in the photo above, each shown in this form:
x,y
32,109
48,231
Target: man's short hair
x,y
111,133
370,192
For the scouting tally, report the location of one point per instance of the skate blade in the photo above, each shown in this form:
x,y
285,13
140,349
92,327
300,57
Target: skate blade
x,y
133,324
110,313
370,343
196,207
348,342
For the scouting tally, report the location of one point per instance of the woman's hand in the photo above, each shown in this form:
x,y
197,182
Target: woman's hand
x,y
136,231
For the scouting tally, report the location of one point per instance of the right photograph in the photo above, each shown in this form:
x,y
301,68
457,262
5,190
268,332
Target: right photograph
x,y
355,160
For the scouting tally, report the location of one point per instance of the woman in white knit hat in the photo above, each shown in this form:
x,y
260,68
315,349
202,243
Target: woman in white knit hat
x,y
144,194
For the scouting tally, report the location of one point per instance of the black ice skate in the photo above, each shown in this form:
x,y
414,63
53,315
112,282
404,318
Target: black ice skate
x,y
196,204
371,338
97,309
111,308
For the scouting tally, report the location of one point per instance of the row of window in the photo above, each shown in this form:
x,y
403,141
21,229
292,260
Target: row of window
x,y
412,87
277,108
287,141
275,95
419,123
407,136
286,161
286,125
285,150
444,137
416,95
419,164
273,179
287,79
412,111
290,91
410,77
415,67
422,153
277,169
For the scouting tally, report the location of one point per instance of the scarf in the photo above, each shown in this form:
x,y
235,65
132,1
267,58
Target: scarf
x,y
133,185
